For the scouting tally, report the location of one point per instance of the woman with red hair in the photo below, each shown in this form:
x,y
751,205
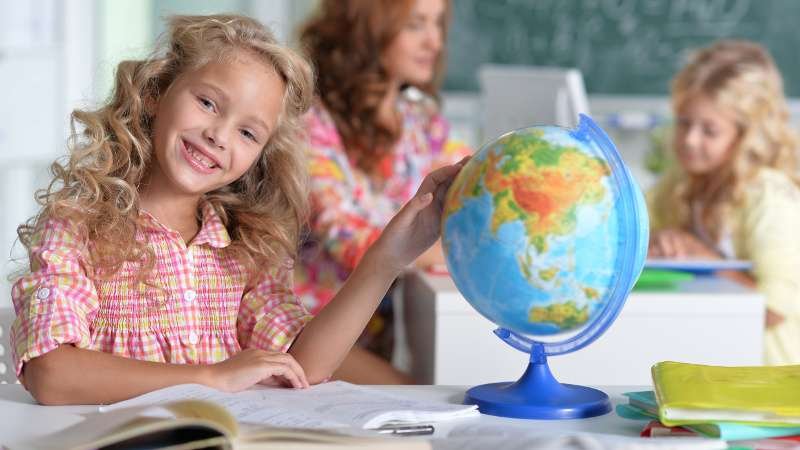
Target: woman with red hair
x,y
375,132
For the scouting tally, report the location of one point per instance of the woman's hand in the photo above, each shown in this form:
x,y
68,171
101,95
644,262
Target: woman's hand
x,y
252,366
677,244
416,227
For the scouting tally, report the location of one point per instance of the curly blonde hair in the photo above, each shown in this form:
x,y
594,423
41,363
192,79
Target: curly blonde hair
x,y
346,40
740,77
96,188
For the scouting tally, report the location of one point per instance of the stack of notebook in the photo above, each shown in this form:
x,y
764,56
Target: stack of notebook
x,y
750,405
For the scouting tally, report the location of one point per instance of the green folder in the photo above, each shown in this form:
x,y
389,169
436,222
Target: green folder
x,y
661,280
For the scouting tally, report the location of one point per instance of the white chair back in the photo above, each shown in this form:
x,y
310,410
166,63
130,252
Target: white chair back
x,y
521,96
7,373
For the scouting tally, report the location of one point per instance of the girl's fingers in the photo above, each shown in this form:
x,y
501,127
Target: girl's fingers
x,y
678,249
285,371
413,207
295,368
655,251
298,369
438,181
673,246
274,381
654,248
682,246
424,200
442,175
662,245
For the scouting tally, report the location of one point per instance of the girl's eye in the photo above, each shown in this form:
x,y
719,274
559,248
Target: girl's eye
x,y
206,103
414,25
249,135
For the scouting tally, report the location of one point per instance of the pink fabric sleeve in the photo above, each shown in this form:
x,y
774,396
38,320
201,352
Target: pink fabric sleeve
x,y
271,315
56,300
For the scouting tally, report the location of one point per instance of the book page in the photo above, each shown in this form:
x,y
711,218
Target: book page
x,y
329,405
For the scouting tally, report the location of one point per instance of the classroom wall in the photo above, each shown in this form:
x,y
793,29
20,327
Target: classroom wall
x,y
56,56
47,53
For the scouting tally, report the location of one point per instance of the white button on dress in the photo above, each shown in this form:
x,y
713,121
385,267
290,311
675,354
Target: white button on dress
x,y
189,296
43,293
193,338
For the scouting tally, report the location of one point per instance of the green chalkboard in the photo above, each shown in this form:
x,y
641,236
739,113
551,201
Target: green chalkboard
x,y
622,46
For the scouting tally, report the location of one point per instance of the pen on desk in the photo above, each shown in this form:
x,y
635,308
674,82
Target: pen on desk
x,y
407,430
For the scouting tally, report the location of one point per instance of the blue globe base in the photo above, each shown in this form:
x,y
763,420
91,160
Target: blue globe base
x,y
538,395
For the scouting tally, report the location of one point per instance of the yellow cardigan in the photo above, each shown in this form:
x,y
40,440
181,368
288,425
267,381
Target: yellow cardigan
x,y
765,228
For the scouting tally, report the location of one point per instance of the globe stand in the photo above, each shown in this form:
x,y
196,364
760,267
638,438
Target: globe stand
x,y
537,394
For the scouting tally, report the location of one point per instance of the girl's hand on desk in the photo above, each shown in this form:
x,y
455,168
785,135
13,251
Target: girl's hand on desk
x,y
675,244
772,319
252,366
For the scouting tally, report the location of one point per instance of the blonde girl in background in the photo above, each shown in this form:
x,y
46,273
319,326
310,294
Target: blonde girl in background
x,y
734,193
163,251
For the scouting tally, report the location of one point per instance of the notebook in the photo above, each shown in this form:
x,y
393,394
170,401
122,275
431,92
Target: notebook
x,y
698,266
694,393
642,405
329,405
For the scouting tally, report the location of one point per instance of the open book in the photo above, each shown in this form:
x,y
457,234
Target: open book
x,y
329,405
192,416
200,424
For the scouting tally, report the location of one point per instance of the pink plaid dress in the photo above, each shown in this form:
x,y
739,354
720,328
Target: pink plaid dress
x,y
195,309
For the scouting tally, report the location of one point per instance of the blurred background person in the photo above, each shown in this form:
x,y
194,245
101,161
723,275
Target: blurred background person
x,y
375,131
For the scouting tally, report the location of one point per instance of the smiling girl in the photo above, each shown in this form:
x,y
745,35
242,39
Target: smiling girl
x,y
164,247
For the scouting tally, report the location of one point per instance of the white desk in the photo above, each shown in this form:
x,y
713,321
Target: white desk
x,y
708,320
20,420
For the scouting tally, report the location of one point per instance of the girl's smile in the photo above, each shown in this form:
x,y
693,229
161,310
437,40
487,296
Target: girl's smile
x,y
199,159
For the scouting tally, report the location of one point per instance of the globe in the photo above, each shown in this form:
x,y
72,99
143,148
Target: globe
x,y
545,232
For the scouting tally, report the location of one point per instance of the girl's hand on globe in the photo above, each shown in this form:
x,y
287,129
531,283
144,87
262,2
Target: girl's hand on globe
x,y
679,244
416,227
433,256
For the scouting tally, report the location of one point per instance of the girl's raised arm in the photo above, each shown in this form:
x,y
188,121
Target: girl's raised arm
x,y
322,345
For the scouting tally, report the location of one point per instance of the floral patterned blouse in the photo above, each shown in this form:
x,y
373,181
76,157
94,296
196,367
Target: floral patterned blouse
x,y
350,208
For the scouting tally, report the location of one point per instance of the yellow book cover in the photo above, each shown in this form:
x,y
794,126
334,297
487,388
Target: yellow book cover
x,y
200,424
758,395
